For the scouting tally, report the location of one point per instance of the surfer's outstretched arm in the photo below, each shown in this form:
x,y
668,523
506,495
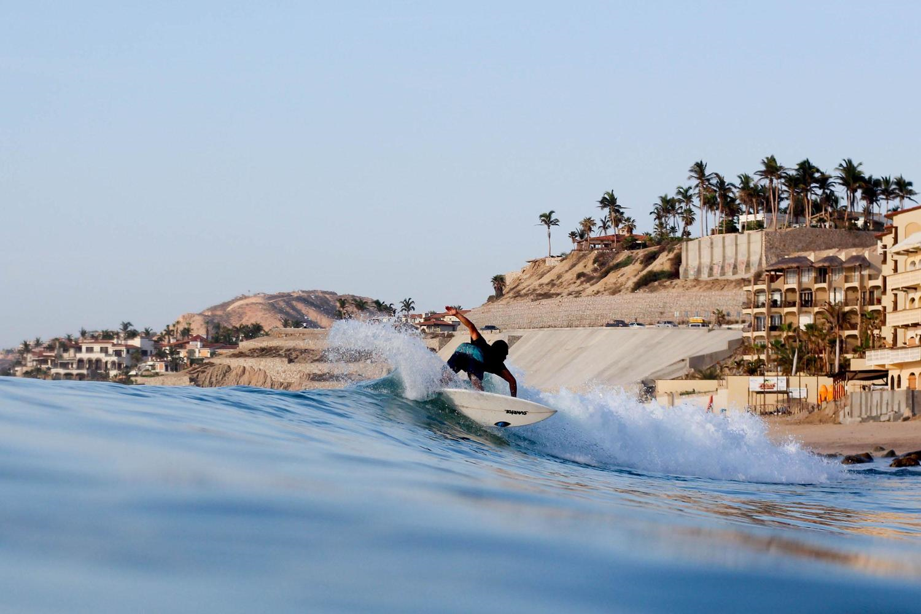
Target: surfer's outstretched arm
x,y
474,333
512,382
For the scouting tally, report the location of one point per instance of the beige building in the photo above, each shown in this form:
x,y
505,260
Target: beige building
x,y
900,247
794,290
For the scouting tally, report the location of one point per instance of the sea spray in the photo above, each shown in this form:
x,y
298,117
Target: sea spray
x,y
608,427
418,370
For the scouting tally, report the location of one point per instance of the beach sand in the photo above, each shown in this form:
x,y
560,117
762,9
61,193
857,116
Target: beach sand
x,y
849,438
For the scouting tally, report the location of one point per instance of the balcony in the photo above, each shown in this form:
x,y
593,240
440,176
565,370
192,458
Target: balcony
x,y
906,279
877,358
905,317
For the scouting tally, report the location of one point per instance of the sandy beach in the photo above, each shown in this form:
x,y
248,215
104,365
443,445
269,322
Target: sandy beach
x,y
850,438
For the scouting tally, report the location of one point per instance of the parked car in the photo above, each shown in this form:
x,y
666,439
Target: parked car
x,y
636,325
490,327
666,324
616,324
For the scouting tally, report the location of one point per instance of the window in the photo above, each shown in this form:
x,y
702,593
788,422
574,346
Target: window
x,y
821,276
776,321
760,299
836,296
836,273
759,323
776,298
789,276
88,350
805,298
805,276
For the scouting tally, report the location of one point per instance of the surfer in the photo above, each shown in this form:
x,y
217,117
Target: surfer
x,y
479,357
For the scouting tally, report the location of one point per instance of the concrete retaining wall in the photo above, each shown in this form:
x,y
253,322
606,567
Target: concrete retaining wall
x,y
734,256
579,358
880,406
595,311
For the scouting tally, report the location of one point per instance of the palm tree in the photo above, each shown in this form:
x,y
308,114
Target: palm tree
x,y
573,236
887,190
698,172
828,199
37,342
872,320
687,220
771,173
904,191
603,226
186,331
548,220
360,304
629,225
685,197
724,195
869,194
83,332
24,348
380,306
838,318
666,208
125,327
615,211
719,317
407,305
147,332
747,192
850,177
498,285
588,225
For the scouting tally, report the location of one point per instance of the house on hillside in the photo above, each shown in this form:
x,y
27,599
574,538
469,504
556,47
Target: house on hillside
x,y
613,242
437,326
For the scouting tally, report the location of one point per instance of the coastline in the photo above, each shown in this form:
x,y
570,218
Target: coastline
x,y
849,438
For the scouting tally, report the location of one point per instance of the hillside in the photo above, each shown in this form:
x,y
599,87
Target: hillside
x,y
603,273
312,308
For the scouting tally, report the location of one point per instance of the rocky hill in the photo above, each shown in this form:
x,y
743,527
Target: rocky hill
x,y
312,308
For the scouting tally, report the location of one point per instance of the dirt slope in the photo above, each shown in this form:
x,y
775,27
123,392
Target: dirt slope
x,y
604,273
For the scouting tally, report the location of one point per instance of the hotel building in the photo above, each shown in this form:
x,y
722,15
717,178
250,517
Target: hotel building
x,y
900,247
794,290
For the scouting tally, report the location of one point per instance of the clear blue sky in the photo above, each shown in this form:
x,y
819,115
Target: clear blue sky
x,y
157,160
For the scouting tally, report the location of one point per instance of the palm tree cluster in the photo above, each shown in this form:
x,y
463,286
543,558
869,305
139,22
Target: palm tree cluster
x,y
816,348
804,191
613,218
233,334
347,309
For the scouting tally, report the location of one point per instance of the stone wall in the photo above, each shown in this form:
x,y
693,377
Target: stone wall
x,y
733,256
592,311
880,406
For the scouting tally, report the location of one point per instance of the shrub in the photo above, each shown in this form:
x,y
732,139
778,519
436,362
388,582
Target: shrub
x,y
620,264
651,277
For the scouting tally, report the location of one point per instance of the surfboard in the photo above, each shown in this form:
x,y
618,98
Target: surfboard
x,y
491,409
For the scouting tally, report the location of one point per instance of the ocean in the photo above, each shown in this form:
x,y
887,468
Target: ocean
x,y
378,498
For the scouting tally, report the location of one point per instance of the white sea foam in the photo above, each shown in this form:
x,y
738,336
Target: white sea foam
x,y
608,427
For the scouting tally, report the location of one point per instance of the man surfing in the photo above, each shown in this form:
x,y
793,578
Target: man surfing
x,y
478,357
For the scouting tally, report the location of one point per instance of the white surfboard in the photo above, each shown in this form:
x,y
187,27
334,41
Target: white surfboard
x,y
491,409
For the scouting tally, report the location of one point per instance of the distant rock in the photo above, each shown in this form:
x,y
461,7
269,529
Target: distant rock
x,y
905,461
879,449
309,308
857,459
890,454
